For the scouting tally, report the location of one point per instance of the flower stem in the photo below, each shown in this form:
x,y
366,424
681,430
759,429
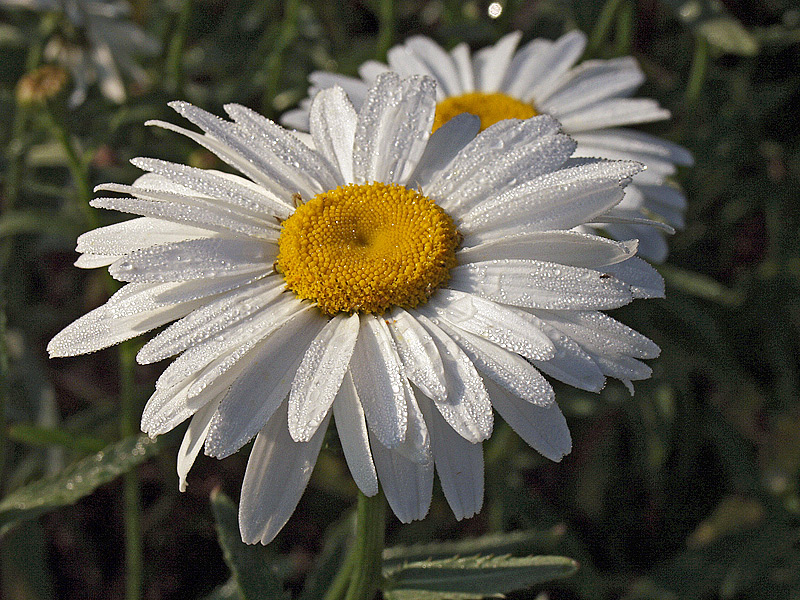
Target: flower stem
x,y
386,28
697,75
174,69
360,574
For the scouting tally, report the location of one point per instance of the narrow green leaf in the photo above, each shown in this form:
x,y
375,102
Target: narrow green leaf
x,y
227,591
474,576
330,559
47,222
76,481
710,19
700,286
33,435
248,564
515,542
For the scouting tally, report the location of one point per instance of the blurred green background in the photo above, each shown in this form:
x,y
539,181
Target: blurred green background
x,y
688,490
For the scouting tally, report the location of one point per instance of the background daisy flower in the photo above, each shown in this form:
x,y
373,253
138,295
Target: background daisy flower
x,y
103,44
591,100
384,278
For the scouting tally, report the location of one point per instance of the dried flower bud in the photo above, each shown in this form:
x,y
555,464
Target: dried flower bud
x,y
42,85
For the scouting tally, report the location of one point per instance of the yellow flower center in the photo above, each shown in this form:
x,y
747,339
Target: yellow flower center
x,y
491,108
367,248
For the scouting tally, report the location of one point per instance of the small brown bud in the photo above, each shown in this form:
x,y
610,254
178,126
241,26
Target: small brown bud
x,y
41,85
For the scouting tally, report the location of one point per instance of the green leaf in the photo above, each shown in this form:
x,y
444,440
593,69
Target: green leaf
x,y
330,560
33,435
708,18
473,576
515,542
248,564
76,481
227,591
47,222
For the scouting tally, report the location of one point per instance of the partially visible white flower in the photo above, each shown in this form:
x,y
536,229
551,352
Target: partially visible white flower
x,y
591,100
403,282
112,44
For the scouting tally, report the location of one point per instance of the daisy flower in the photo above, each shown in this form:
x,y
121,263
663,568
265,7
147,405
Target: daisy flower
x,y
402,282
104,43
591,100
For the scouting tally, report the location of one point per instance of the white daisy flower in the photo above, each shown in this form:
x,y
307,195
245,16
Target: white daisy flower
x,y
592,101
110,43
402,282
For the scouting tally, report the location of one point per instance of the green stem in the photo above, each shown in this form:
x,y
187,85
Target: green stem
x,y
625,27
360,575
386,28
174,68
273,66
130,481
602,27
78,168
697,75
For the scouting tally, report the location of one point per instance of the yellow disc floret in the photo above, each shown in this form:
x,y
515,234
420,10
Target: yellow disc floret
x,y
491,108
366,248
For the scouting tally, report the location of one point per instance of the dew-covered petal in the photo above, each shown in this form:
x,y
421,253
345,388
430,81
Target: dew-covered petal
x,y
263,385
193,440
623,368
514,147
564,247
375,366
513,329
571,364
459,464
644,280
393,128
332,122
541,427
127,314
93,261
276,476
544,70
600,333
127,236
418,354
213,318
194,259
320,374
638,143
559,200
226,188
442,147
467,407
506,368
354,437
408,485
536,284
652,244
613,113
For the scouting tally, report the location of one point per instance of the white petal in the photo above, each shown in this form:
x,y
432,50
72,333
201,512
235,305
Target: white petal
x,y
225,188
262,386
563,247
644,280
375,366
459,464
418,353
408,485
513,329
195,259
442,147
535,284
628,140
559,200
591,82
559,57
193,440
571,364
93,261
491,63
601,333
127,236
354,437
438,62
213,318
613,113
463,63
320,374
507,368
542,427
332,122
355,89
467,407
117,321
277,473
393,128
